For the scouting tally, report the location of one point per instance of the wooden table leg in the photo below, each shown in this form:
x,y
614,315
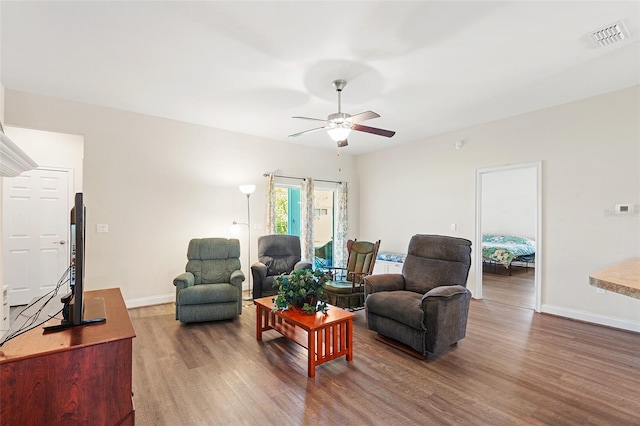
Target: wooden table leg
x,y
259,315
349,339
311,353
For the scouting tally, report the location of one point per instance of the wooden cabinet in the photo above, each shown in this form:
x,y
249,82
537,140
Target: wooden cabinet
x,y
78,376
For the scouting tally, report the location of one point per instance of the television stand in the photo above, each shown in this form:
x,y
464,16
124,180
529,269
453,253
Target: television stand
x,y
65,325
79,376
96,307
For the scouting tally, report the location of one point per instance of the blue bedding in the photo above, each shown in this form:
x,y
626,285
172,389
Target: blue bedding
x,y
505,248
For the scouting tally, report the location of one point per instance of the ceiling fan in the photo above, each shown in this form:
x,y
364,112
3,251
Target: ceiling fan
x,y
340,124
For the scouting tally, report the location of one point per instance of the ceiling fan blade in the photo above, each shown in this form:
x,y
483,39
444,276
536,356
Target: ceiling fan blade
x,y
306,131
310,118
342,143
375,131
367,115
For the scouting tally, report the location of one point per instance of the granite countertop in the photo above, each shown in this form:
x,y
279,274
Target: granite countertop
x,y
623,278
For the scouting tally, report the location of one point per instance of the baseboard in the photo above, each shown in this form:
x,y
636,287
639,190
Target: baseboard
x,y
151,300
592,318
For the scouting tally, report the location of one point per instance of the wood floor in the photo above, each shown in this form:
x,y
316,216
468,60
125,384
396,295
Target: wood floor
x,y
517,289
515,367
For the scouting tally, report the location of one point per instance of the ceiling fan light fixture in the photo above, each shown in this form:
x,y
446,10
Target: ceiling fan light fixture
x,y
339,132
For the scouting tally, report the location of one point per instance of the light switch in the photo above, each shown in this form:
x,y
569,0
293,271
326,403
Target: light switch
x,y
102,227
624,209
453,226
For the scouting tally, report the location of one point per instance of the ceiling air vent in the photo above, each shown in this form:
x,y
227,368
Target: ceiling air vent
x,y
610,34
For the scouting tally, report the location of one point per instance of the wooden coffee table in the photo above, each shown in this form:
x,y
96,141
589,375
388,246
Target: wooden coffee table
x,y
326,336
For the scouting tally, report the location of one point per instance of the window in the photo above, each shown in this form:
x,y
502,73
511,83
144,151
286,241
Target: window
x,y
287,201
287,210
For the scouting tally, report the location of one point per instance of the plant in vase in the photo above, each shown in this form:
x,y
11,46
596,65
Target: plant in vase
x,y
302,288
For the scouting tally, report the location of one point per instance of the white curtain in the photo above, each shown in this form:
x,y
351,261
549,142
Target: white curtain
x,y
342,223
270,219
307,217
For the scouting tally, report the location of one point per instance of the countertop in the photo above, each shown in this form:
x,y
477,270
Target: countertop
x,y
623,278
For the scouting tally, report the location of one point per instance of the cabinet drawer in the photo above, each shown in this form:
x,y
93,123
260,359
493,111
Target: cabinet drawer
x,y
384,267
394,268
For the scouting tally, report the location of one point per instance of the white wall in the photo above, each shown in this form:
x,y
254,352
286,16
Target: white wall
x,y
158,183
50,149
590,153
2,121
509,202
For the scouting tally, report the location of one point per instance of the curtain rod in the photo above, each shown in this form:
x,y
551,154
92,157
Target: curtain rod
x,y
301,178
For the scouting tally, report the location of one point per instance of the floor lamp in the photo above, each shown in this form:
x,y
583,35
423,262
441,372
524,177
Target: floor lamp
x,y
248,190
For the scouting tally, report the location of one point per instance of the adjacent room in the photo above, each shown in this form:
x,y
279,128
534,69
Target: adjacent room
x,y
461,178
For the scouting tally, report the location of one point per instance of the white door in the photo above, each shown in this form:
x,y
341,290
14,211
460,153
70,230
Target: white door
x,y
35,233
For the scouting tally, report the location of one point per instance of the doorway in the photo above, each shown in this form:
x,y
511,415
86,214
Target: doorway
x,y
62,154
508,204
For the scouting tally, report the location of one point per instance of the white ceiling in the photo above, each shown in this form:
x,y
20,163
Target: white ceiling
x,y
426,67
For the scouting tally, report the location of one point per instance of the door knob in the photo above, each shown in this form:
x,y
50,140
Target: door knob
x,y
61,242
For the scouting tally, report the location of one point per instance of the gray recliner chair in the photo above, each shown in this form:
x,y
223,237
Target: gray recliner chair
x,y
211,287
277,254
426,307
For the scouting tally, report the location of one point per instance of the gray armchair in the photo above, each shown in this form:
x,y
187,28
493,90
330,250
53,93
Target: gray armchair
x,y
426,307
277,254
211,287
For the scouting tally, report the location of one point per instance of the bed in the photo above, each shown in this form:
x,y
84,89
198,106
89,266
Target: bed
x,y
505,249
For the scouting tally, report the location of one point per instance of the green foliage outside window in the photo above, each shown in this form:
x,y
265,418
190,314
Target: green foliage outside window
x,y
282,213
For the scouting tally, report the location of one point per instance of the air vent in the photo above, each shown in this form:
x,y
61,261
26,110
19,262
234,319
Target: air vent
x,y
610,34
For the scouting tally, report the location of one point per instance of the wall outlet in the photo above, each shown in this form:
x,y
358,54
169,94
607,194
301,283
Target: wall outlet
x,y
600,290
102,227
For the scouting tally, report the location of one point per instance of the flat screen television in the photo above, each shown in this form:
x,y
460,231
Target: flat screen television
x,y
73,309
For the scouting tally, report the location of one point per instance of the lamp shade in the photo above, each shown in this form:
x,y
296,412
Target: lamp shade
x,y
235,228
247,189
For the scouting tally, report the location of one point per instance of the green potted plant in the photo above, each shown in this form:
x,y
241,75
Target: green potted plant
x,y
303,289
